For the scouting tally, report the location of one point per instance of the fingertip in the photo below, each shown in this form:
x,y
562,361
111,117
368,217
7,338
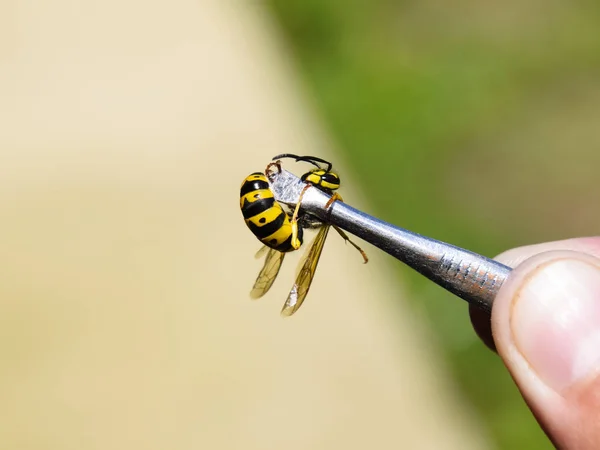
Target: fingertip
x,y
481,321
516,256
544,308
546,328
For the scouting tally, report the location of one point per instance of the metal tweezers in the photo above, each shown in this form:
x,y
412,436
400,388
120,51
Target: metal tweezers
x,y
470,276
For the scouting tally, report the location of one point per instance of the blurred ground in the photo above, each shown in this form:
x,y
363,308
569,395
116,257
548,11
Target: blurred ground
x,y
472,122
127,128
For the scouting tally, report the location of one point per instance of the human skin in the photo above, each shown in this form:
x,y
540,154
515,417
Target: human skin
x,y
545,325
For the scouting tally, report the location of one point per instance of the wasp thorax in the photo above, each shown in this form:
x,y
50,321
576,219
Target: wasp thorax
x,y
327,181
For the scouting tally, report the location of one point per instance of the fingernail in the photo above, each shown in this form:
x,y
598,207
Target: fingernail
x,y
555,321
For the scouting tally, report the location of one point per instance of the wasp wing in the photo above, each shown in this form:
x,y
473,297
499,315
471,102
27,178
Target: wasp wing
x,y
268,273
305,274
263,250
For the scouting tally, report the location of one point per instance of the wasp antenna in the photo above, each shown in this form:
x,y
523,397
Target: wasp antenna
x,y
286,155
309,159
314,160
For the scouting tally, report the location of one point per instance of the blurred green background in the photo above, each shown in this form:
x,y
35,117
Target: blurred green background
x,y
473,122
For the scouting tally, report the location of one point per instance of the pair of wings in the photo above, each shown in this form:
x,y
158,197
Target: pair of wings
x,y
304,278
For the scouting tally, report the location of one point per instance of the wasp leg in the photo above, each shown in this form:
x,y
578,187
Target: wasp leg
x,y
347,239
334,198
268,171
295,241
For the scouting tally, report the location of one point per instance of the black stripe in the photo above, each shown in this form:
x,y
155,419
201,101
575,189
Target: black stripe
x,y
331,178
286,246
251,209
268,228
253,185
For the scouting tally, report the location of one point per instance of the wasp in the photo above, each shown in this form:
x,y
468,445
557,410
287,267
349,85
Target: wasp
x,y
282,231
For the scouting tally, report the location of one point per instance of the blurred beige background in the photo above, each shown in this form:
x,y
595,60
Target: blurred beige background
x,y
126,130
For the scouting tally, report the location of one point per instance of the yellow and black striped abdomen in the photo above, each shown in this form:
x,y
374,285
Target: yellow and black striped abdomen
x,y
264,215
